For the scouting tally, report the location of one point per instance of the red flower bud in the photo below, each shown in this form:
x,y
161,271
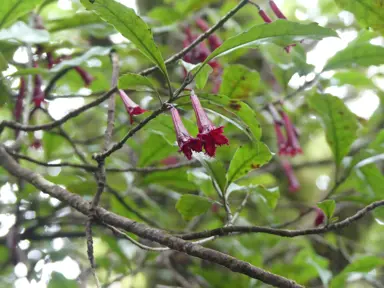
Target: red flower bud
x,y
186,142
320,217
208,133
87,78
292,146
19,102
276,10
131,107
294,184
265,16
281,142
214,40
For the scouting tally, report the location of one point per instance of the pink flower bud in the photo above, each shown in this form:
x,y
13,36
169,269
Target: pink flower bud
x,y
131,107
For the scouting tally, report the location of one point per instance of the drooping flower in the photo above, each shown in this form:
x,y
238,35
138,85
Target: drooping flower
x,y
38,93
131,107
199,53
87,78
265,16
292,145
320,217
294,184
276,10
281,141
210,135
186,142
213,39
20,98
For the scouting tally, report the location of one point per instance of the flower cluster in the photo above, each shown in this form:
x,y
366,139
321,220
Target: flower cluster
x,y
278,14
287,143
209,136
201,51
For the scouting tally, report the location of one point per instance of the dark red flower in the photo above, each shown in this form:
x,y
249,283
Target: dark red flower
x,y
294,184
199,53
320,217
131,107
292,146
276,10
185,141
214,40
208,133
87,78
50,60
36,144
265,16
281,142
19,101
38,93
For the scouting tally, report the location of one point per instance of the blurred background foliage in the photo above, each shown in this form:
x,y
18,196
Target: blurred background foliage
x,y
42,241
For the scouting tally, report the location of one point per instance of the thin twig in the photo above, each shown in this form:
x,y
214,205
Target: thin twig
x,y
92,168
133,241
224,231
48,126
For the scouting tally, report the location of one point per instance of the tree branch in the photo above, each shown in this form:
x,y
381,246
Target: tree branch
x,y
48,126
155,235
224,231
93,168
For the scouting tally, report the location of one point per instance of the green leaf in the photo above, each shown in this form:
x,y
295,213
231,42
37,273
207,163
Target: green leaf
x,y
3,63
239,81
154,149
270,196
201,75
77,20
11,10
51,143
174,179
77,61
132,81
354,78
340,123
23,33
282,31
247,158
216,170
131,26
362,265
31,71
233,110
190,206
369,13
328,207
363,55
59,281
165,15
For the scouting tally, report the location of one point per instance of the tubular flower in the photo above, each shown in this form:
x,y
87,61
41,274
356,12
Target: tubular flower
x,y
38,94
185,141
294,184
320,217
265,16
131,107
276,10
292,146
199,53
214,40
281,142
20,98
208,133
87,78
